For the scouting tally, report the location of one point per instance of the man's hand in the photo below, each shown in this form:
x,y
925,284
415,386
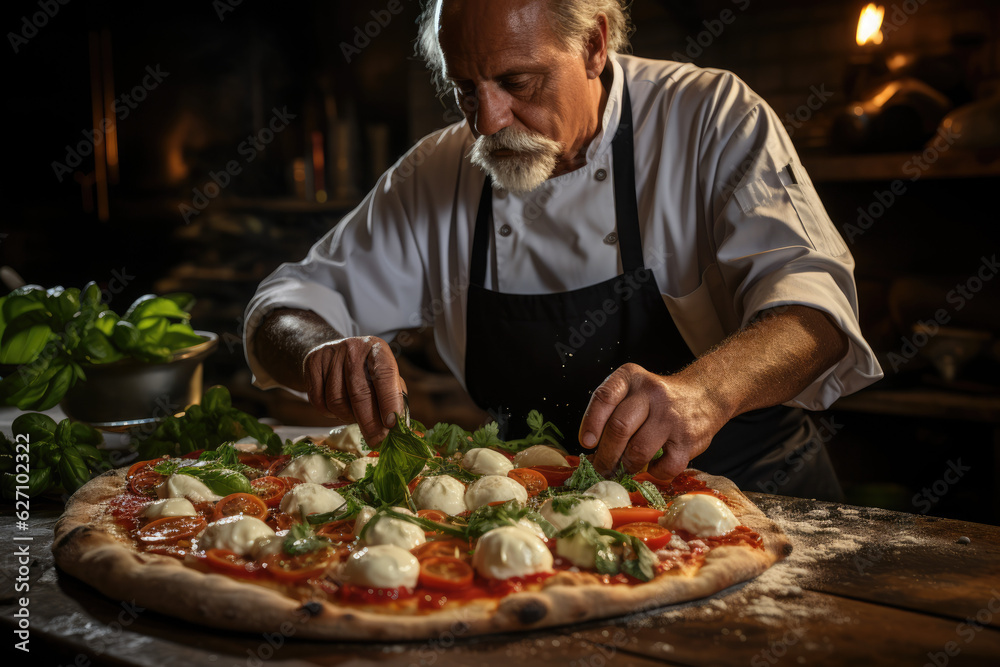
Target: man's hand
x,y
636,412
351,379
356,380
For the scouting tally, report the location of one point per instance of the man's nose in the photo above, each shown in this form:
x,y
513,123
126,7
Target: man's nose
x,y
493,113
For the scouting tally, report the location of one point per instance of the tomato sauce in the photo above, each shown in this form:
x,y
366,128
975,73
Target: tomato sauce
x,y
127,510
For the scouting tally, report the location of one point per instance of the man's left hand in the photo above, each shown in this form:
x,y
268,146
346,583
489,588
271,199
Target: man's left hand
x,y
634,413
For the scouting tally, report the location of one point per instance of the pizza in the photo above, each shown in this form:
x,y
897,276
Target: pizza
x,y
325,539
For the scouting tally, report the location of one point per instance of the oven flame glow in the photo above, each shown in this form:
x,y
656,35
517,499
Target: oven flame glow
x,y
869,25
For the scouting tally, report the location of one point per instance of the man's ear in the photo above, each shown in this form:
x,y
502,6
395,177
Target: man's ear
x,y
595,50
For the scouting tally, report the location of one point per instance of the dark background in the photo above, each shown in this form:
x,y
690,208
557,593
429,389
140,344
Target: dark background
x,y
362,100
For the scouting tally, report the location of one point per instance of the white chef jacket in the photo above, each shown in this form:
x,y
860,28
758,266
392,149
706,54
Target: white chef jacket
x,y
730,225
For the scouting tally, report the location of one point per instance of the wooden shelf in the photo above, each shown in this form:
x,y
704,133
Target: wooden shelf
x,y
890,166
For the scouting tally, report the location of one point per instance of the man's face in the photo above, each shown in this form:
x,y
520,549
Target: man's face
x,y
526,98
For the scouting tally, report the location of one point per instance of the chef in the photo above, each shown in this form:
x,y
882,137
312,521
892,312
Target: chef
x,y
629,246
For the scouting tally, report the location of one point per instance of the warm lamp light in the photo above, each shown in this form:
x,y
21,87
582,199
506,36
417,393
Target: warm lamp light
x,y
869,25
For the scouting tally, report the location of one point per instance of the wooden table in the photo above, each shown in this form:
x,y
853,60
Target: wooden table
x,y
864,586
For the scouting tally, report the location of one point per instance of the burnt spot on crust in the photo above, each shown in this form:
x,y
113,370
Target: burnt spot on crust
x,y
109,473
311,608
532,612
787,549
71,535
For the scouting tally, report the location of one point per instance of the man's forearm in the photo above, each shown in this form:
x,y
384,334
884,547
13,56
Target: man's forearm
x,y
283,340
770,361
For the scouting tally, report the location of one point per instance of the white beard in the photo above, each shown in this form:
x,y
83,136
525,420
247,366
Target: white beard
x,y
534,160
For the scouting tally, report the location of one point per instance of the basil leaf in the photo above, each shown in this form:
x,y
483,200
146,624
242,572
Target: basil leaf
x,y
564,504
305,447
402,457
652,495
125,335
220,481
154,306
487,436
21,346
56,389
36,426
301,539
488,517
73,471
583,477
447,438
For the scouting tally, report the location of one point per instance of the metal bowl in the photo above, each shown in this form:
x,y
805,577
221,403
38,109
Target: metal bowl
x,y
129,392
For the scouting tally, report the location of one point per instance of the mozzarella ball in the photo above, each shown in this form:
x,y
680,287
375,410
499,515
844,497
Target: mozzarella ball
x,y
612,493
366,513
346,439
532,527
235,533
390,530
483,461
185,486
700,514
578,550
590,509
494,488
539,455
169,507
310,498
382,566
510,551
268,546
440,492
314,468
357,468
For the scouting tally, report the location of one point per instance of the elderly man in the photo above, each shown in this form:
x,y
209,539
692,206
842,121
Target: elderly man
x,y
629,246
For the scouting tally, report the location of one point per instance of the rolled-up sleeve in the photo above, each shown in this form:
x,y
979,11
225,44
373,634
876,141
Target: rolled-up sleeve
x,y
777,246
364,277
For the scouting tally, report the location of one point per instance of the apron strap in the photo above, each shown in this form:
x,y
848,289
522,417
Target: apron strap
x,y
480,238
626,208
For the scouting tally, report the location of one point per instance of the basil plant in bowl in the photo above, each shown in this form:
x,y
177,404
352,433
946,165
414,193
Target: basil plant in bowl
x,y
66,345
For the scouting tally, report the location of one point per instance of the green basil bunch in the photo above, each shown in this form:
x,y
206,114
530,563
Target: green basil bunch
x,y
206,426
51,334
61,457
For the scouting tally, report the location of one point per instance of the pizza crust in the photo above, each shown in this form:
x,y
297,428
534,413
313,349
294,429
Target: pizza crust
x,y
86,547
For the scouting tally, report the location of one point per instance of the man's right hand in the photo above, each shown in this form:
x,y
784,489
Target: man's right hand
x,y
356,380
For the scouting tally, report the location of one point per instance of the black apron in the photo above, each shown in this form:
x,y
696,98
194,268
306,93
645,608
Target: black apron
x,y
548,352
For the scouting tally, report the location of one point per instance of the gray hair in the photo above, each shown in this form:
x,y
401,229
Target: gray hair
x,y
573,21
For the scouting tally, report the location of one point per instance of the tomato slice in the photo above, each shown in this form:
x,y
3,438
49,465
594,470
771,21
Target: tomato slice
x,y
451,547
653,534
196,454
296,569
269,489
282,521
445,573
623,515
259,461
413,483
572,460
436,516
554,475
138,467
533,481
145,482
171,529
246,504
646,477
338,531
278,464
230,563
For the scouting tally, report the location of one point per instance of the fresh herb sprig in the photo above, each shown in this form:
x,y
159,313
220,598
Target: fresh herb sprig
x,y
302,539
583,477
306,447
60,457
402,455
631,556
541,433
206,426
219,478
